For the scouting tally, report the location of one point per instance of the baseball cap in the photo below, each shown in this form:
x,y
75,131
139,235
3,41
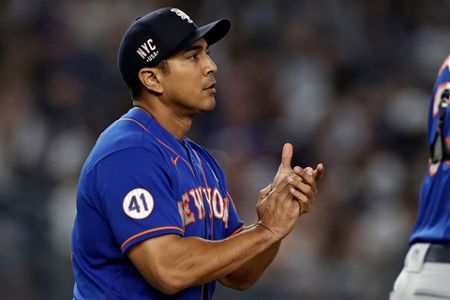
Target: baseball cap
x,y
159,35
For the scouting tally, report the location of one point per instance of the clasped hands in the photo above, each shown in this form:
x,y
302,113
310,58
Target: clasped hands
x,y
290,195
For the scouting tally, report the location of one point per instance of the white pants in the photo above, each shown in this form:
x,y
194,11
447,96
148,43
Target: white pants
x,y
421,280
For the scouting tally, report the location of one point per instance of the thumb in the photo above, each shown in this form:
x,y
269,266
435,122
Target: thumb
x,y
318,172
286,156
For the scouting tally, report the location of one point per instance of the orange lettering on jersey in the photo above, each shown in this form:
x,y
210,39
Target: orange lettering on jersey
x,y
198,201
181,210
207,193
217,204
226,215
188,214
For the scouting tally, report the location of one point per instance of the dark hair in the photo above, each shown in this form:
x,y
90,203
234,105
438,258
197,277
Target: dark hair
x,y
136,90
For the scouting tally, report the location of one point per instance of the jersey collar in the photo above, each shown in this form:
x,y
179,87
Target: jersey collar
x,y
154,128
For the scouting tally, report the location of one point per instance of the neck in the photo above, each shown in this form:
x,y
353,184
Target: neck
x,y
177,125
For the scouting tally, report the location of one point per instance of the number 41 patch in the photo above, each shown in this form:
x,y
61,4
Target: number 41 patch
x,y
138,204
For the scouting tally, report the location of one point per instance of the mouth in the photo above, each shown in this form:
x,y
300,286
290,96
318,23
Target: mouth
x,y
211,87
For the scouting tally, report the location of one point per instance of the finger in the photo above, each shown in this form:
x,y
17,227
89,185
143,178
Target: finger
x,y
318,172
306,174
281,191
283,186
286,156
299,196
309,170
303,201
297,183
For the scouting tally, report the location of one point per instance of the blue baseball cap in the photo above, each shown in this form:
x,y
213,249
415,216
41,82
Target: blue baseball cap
x,y
159,35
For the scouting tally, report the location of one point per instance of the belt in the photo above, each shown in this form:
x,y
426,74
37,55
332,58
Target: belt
x,y
438,253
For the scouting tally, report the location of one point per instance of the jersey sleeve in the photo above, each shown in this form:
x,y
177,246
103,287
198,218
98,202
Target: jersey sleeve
x,y
138,196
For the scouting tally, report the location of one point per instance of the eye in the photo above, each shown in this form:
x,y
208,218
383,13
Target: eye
x,y
194,57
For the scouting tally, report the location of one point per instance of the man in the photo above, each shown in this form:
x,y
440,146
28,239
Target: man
x,y
154,218
426,273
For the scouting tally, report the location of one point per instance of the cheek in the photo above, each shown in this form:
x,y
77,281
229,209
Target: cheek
x,y
175,84
183,90
188,84
184,82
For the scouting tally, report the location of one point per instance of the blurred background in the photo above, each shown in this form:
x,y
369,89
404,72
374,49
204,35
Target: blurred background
x,y
346,81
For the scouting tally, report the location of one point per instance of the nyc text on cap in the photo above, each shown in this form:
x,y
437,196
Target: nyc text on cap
x,y
159,35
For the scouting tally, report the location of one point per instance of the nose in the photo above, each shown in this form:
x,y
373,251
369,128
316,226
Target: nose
x,y
211,66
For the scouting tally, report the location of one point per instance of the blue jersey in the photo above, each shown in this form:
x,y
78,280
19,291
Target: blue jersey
x,y
433,221
141,182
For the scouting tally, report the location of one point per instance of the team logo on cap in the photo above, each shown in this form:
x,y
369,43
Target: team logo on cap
x,y
138,204
181,14
147,50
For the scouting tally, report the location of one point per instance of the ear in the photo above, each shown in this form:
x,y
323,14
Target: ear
x,y
150,79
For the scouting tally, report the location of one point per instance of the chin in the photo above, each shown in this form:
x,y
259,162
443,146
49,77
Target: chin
x,y
210,105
